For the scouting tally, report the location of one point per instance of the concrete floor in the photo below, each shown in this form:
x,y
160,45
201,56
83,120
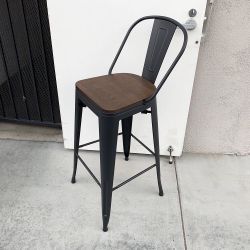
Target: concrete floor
x,y
41,209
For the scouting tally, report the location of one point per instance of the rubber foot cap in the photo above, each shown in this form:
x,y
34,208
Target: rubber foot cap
x,y
105,229
126,158
73,180
161,193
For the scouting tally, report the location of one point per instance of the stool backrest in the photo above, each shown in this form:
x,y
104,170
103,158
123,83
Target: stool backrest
x,y
161,36
160,39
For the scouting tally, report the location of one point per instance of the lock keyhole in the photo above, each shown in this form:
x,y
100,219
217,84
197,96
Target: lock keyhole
x,y
192,12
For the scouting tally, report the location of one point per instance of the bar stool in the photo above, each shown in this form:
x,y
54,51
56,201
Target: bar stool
x,y
117,97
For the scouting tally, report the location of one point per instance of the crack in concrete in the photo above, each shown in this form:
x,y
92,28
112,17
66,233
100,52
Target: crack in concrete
x,y
180,204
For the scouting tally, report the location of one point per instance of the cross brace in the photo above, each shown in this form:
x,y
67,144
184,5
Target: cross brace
x,y
124,182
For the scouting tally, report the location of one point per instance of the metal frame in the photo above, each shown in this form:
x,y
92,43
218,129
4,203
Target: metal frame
x,y
179,25
108,122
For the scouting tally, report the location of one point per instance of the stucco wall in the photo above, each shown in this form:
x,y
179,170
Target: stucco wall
x,y
219,118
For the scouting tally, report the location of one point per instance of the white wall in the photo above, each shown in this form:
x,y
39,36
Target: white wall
x,y
85,38
219,118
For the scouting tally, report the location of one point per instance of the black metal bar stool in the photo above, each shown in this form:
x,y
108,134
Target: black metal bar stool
x,y
117,97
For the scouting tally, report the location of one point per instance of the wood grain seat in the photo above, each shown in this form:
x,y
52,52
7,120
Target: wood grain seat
x,y
116,92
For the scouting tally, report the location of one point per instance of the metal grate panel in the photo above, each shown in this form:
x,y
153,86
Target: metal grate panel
x,y
10,61
24,58
37,53
7,103
49,58
1,108
28,89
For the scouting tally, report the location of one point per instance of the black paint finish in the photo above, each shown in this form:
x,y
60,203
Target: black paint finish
x,y
162,33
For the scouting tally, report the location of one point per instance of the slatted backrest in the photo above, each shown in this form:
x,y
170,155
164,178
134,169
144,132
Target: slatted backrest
x,y
160,39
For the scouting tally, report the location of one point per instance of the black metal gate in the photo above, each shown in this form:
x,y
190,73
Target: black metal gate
x,y
28,91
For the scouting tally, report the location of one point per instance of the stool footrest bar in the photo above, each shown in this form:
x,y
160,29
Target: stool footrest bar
x,y
89,171
92,142
145,146
133,177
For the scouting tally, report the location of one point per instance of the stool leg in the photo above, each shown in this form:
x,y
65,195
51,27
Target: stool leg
x,y
78,120
156,144
126,135
108,130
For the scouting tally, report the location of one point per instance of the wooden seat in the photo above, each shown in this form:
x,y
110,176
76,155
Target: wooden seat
x,y
116,92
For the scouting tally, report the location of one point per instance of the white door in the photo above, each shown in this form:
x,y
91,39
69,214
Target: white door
x,y
86,36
